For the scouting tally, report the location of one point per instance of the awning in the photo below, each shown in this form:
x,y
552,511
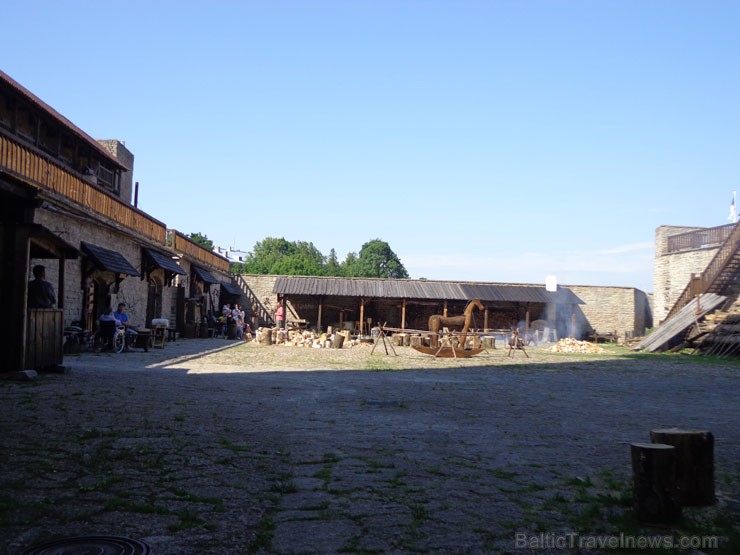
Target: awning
x,y
203,275
47,244
231,289
107,260
159,260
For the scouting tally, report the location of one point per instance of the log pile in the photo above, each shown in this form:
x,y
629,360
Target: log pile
x,y
305,338
722,337
569,345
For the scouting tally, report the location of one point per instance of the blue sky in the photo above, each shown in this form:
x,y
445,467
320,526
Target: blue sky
x,y
488,141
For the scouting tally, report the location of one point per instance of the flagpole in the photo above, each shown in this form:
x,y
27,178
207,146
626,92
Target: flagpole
x,y
733,208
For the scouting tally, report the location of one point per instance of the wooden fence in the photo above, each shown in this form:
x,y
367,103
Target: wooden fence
x,y
44,337
40,172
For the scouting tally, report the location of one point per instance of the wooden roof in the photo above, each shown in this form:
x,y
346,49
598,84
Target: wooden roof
x,y
108,260
421,289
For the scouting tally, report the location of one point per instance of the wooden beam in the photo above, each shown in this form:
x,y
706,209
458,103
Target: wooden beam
x,y
403,314
318,318
362,316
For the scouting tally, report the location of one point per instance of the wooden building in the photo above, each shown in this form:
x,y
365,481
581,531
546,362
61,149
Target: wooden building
x,y
65,202
359,304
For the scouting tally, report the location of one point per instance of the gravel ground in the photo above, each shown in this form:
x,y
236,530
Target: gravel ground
x,y
216,447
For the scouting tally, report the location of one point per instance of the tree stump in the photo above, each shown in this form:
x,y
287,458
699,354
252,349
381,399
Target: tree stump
x,y
337,341
267,336
416,340
694,463
654,489
489,342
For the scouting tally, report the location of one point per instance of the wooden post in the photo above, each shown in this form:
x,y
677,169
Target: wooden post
x,y
655,495
403,315
694,463
341,319
362,316
485,319
60,285
444,312
318,316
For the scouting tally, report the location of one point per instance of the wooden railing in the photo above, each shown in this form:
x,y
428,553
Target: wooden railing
x,y
40,172
702,283
259,310
182,244
699,238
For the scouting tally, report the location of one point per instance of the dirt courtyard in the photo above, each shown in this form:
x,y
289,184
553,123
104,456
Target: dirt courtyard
x,y
218,447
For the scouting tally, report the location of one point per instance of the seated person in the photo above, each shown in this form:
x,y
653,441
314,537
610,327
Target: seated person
x,y
107,325
122,317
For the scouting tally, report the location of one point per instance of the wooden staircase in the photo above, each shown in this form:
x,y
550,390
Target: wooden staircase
x,y
721,272
264,315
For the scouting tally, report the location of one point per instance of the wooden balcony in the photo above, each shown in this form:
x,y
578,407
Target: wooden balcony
x,y
720,271
38,170
183,244
710,237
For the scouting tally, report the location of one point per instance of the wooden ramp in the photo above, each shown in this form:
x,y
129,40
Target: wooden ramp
x,y
670,330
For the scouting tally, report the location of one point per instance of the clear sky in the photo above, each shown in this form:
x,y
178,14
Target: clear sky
x,y
488,141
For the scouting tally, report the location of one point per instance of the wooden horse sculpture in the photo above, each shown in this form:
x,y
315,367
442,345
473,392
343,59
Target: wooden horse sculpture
x,y
462,323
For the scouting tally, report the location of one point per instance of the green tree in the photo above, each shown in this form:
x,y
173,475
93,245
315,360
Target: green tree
x,y
377,260
333,268
281,257
348,265
202,240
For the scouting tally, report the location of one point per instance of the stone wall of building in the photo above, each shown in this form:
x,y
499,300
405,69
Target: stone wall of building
x,y
673,271
75,229
133,290
261,286
624,310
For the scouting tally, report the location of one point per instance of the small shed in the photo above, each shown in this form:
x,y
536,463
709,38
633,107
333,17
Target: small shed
x,y
361,303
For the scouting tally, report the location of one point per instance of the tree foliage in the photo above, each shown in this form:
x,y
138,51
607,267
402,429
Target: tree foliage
x,y
202,240
377,260
281,257
299,258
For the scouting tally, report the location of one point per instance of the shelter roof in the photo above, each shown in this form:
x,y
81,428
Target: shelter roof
x,y
230,288
421,289
204,275
165,262
108,260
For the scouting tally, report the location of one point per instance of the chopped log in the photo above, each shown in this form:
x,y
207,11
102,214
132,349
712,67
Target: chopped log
x,y
694,451
397,339
655,495
337,341
267,336
489,342
415,340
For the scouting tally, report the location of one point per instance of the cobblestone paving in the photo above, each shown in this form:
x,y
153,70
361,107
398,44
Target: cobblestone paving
x,y
196,454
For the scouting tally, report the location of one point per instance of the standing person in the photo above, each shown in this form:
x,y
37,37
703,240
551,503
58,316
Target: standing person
x,y
239,321
279,314
40,292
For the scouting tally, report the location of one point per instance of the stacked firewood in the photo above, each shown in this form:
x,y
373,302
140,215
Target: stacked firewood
x,y
569,345
304,338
